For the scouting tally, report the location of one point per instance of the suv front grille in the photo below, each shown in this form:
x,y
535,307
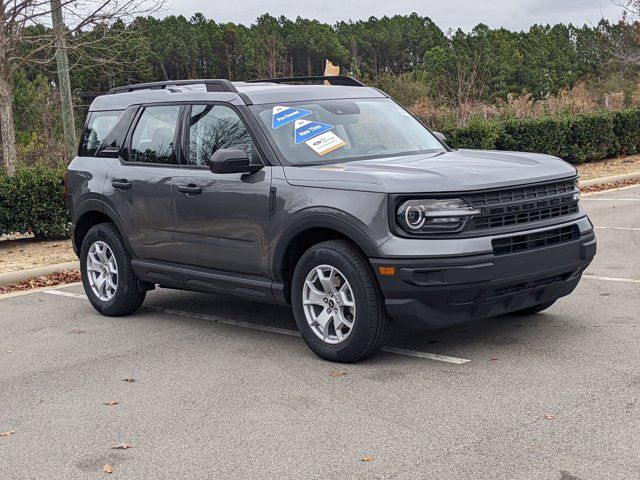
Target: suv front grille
x,y
530,241
514,206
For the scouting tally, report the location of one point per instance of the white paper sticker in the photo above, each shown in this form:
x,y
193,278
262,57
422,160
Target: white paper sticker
x,y
325,143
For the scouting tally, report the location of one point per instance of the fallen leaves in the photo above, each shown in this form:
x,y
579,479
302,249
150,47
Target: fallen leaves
x,y
59,278
7,434
337,373
122,446
111,403
548,416
129,380
609,186
77,331
367,458
493,359
107,469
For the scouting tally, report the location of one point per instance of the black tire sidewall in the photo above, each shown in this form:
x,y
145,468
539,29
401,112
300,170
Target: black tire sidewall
x,y
127,292
350,349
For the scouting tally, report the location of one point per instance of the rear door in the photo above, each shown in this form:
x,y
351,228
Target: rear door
x,y
138,184
222,220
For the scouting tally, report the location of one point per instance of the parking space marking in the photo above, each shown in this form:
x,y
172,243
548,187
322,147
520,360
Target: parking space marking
x,y
31,291
610,279
430,356
598,199
266,328
633,229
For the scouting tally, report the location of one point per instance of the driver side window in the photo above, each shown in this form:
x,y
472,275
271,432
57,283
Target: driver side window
x,y
212,127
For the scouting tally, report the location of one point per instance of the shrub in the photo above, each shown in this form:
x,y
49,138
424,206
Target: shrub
x,y
477,134
626,128
575,138
32,201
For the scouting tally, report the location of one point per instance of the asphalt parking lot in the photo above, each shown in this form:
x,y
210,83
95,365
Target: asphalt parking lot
x,y
225,389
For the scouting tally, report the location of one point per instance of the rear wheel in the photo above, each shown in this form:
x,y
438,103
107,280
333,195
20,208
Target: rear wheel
x,y
337,303
533,310
107,276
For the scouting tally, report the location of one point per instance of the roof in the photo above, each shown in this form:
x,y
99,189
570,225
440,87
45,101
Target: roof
x,y
257,93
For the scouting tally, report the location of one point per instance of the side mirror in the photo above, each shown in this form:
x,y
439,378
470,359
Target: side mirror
x,y
231,160
440,136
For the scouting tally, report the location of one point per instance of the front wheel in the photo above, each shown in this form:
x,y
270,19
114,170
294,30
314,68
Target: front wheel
x,y
337,303
107,276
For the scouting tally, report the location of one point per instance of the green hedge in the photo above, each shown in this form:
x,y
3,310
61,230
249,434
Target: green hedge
x,y
32,201
575,138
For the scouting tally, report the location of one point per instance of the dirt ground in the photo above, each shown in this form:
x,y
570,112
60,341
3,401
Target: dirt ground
x,y
606,168
20,252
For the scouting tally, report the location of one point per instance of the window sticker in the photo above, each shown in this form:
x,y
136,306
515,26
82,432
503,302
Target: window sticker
x,y
285,115
325,143
306,129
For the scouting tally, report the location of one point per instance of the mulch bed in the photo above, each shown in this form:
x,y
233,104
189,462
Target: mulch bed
x,y
608,186
59,278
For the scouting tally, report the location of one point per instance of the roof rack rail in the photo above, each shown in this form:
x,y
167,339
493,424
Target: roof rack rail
x,y
343,80
212,85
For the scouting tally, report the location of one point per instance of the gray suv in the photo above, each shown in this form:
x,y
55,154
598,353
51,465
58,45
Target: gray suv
x,y
331,198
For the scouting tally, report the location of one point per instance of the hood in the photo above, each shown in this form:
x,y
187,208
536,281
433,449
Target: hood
x,y
460,170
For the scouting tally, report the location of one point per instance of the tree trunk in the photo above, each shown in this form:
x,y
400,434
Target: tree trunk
x,y
6,126
68,122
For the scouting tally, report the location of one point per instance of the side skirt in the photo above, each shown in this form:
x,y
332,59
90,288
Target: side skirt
x,y
209,281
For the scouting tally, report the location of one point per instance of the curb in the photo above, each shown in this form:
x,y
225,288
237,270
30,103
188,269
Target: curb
x,y
612,179
10,278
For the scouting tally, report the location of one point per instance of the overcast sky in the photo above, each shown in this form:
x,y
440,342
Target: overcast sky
x,y
512,14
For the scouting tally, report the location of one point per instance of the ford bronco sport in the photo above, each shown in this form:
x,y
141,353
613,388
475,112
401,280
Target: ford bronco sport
x,y
330,198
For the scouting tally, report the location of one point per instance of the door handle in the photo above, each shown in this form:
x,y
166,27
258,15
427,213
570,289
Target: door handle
x,y
121,184
191,188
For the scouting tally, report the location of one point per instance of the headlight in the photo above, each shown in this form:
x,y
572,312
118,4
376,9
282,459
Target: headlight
x,y
434,215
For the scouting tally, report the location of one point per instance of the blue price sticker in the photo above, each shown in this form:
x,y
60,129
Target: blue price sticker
x,y
306,129
285,115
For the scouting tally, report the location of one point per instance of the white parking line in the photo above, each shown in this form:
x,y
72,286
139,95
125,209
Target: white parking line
x,y
611,199
610,279
633,229
31,291
430,356
266,328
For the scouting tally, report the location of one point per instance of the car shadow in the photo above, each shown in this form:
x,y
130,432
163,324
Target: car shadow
x,y
488,335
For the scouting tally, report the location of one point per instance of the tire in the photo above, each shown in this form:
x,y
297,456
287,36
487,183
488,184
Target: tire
x,y
126,297
533,310
355,285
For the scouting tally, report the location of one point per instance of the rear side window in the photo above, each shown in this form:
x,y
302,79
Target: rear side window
x,y
99,124
152,139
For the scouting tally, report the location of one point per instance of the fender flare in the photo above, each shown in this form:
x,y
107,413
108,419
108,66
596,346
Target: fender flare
x,y
327,218
98,205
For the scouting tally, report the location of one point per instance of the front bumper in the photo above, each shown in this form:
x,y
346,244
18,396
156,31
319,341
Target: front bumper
x,y
437,292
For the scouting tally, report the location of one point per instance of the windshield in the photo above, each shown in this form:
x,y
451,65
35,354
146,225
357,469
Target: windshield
x,y
330,131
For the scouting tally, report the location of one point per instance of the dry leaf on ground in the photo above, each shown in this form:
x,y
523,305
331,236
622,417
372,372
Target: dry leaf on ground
x,y
337,373
129,380
367,458
68,276
112,402
549,416
7,434
77,331
107,469
122,446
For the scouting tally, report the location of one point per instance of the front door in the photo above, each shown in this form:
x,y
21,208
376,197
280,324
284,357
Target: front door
x,y
221,220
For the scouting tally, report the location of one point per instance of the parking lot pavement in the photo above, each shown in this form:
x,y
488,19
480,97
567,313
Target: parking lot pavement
x,y
225,389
